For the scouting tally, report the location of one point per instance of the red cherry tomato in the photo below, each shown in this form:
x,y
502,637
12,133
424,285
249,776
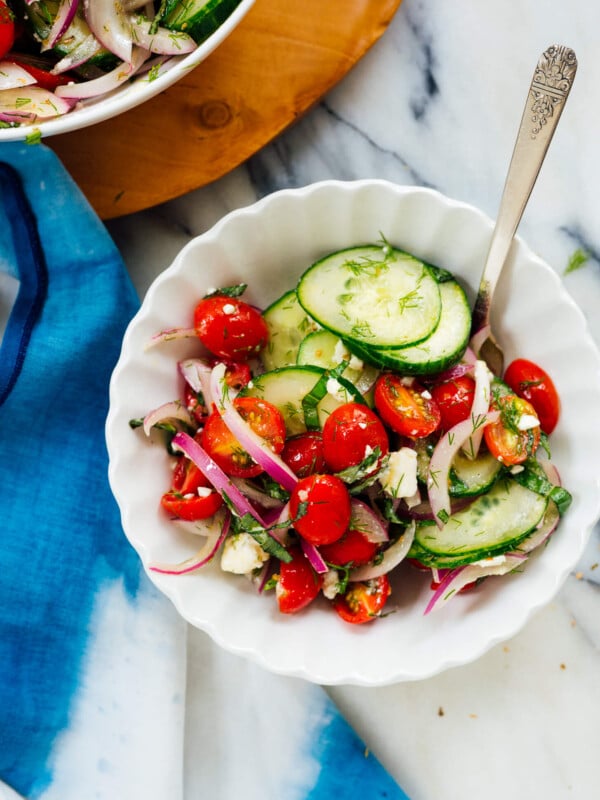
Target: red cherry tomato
x,y
7,29
230,328
320,506
298,583
530,382
364,601
183,500
348,431
263,417
353,548
455,400
406,407
504,439
304,453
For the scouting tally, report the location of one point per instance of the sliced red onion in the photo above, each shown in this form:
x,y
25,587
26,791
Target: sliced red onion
x,y
368,522
215,475
106,83
64,16
543,531
456,579
35,101
168,411
441,461
313,555
257,496
394,554
170,335
552,473
207,552
88,48
12,76
450,374
423,511
163,41
16,118
196,372
481,404
110,25
478,338
253,444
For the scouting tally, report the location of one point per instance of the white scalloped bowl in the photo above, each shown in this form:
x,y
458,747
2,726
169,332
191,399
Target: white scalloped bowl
x,y
268,245
132,93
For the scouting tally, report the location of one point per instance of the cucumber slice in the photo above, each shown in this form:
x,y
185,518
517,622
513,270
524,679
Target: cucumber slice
x,y
493,524
375,296
325,349
198,18
285,388
288,324
444,347
470,477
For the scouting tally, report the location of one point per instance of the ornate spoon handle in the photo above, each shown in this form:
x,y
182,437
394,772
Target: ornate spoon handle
x,y
550,87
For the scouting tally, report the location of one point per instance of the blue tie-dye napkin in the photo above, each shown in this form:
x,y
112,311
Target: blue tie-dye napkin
x,y
92,659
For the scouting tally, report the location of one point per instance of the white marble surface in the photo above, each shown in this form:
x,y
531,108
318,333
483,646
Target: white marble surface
x,y
439,99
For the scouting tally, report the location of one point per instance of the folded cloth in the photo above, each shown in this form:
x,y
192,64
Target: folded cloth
x,y
92,658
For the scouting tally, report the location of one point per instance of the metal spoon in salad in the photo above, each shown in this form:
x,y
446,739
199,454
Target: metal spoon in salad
x,y
552,81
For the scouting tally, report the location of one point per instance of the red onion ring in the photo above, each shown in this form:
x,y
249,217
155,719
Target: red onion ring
x,y
394,554
64,16
173,410
106,83
12,76
163,41
206,553
313,555
368,522
109,24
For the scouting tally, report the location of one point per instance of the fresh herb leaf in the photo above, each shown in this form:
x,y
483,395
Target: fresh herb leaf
x,y
229,291
577,260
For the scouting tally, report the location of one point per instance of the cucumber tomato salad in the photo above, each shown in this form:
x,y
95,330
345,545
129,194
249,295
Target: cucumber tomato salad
x,y
56,53
349,427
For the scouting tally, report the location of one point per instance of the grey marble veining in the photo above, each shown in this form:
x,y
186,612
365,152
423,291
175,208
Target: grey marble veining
x,y
437,102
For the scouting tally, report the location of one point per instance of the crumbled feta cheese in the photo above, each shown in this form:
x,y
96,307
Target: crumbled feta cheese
x,y
303,495
527,422
229,308
368,451
204,491
363,426
399,478
242,554
336,390
188,496
341,352
426,394
356,363
516,469
492,561
331,581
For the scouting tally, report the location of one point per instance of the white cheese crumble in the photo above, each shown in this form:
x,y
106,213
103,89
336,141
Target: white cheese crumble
x,y
336,390
340,352
426,394
492,561
399,478
303,495
331,581
229,308
204,491
516,469
242,554
356,363
527,422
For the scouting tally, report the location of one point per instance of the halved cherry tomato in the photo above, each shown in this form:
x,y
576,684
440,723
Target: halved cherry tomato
x,y
530,382
7,29
298,583
504,439
263,417
406,406
353,548
347,433
454,399
304,453
230,328
320,508
183,500
363,601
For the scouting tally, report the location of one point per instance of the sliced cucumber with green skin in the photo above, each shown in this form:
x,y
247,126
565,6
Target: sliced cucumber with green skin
x,y
198,18
444,347
288,324
324,349
370,295
470,477
285,388
492,524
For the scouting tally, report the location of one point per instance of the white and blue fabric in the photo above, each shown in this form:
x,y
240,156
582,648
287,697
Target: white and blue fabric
x,y
94,676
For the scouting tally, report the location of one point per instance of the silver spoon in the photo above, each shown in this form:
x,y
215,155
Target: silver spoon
x,y
550,87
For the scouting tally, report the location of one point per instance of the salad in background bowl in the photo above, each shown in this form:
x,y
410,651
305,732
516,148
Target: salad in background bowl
x,y
67,64
268,246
